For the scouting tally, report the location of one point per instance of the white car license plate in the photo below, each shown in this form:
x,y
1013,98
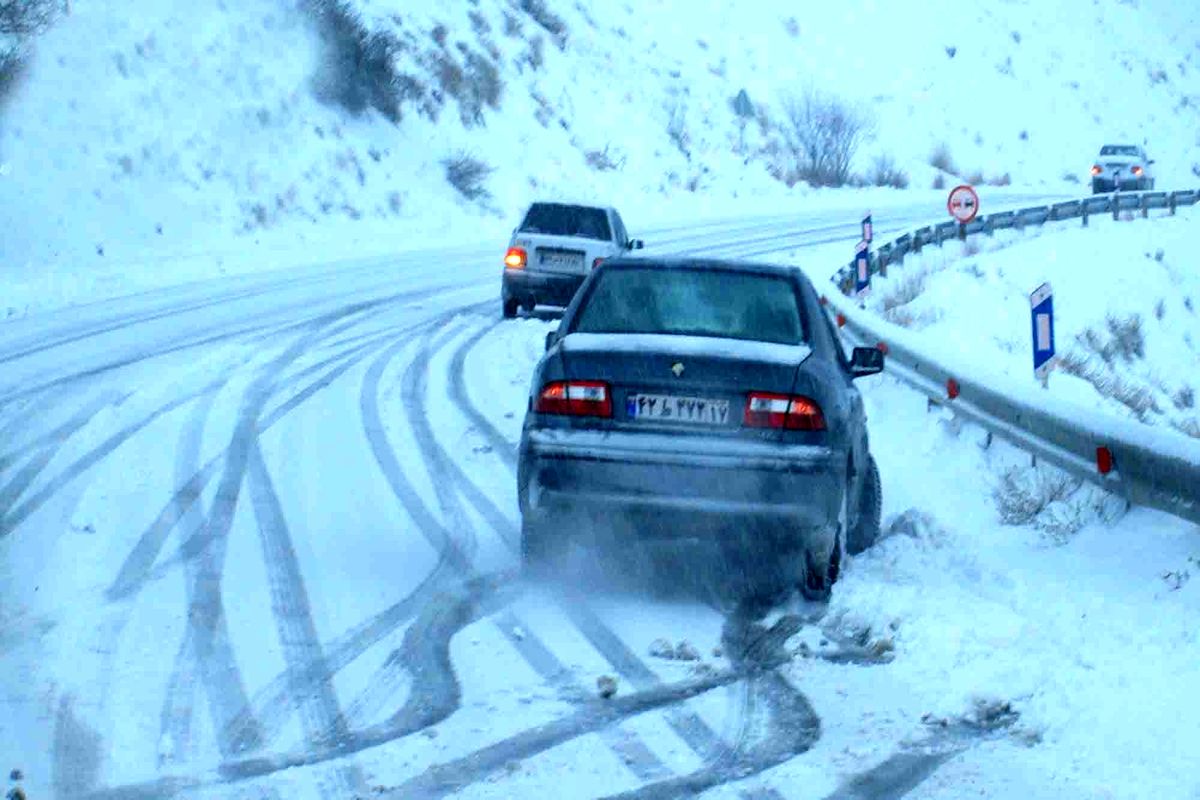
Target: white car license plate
x,y
564,261
695,410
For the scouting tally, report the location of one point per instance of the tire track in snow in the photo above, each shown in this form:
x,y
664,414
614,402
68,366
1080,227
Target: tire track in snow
x,y
445,474
18,514
686,724
316,700
206,644
139,564
46,448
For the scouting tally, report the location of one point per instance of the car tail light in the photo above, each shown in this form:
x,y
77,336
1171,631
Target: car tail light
x,y
1137,170
791,412
597,262
1097,169
515,258
575,398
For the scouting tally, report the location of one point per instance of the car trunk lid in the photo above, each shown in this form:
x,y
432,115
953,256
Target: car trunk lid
x,y
693,383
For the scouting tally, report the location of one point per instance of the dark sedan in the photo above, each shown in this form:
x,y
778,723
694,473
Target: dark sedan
x,y
701,402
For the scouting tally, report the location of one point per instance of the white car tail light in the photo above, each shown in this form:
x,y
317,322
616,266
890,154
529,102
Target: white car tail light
x,y
791,412
575,398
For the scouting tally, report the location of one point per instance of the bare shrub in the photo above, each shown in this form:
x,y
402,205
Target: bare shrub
x,y
971,247
792,27
1107,383
677,130
1071,177
1128,341
940,159
1024,493
535,56
905,290
823,133
939,181
358,70
24,18
547,19
884,172
1185,398
1000,180
602,160
479,22
468,175
1188,427
975,178
1160,310
512,25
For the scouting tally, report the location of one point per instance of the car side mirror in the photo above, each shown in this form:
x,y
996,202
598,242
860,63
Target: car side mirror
x,y
866,361
1150,161
636,244
551,338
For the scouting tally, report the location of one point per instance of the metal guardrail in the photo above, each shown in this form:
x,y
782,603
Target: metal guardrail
x,y
1148,466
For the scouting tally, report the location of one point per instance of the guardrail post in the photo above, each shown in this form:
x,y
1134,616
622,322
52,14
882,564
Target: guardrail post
x,y
1143,204
1171,203
917,243
962,232
1083,208
988,228
1116,206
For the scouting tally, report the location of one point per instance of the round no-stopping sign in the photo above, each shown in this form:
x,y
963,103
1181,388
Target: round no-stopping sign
x,y
963,204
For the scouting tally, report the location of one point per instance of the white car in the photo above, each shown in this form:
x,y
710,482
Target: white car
x,y
554,248
1122,166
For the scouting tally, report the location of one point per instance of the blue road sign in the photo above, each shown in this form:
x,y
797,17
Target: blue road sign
x,y
862,268
1041,305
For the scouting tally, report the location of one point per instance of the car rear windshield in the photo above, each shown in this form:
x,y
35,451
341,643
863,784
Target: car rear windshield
x,y
1118,150
562,220
696,302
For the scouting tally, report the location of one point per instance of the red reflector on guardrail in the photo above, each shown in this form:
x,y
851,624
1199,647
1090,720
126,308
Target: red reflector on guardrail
x,y
841,320
1104,460
951,388
882,347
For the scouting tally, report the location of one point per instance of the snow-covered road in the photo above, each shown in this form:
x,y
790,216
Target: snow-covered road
x,y
258,538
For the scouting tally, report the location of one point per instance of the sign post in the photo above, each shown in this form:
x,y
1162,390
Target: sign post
x,y
862,269
1041,310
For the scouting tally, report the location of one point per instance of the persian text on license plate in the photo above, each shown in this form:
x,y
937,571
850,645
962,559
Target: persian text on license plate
x,y
696,410
562,260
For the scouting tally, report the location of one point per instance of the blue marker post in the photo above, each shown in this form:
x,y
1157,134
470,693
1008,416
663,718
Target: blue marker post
x,y
862,269
1041,305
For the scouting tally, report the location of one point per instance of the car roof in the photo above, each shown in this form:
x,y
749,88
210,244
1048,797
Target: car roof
x,y
715,264
571,203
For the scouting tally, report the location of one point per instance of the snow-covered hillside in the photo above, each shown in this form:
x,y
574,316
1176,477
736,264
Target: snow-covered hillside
x,y
1126,300
176,139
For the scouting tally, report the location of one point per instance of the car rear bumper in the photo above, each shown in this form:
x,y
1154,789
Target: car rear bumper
x,y
668,485
533,287
1102,185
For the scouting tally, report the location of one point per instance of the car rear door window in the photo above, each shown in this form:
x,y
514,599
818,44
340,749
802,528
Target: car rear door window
x,y
696,302
563,220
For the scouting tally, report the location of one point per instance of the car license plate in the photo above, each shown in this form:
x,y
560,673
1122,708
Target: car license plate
x,y
694,410
564,261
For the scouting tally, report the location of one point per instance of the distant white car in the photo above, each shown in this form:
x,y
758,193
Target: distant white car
x,y
1123,166
554,248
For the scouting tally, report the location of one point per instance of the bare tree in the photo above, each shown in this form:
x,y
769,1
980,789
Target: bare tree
x,y
823,134
27,17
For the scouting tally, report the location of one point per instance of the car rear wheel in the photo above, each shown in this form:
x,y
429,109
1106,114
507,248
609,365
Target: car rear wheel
x,y
510,308
821,572
538,546
870,507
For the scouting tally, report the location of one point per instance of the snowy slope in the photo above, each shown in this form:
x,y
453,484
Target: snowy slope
x,y
1126,297
181,140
